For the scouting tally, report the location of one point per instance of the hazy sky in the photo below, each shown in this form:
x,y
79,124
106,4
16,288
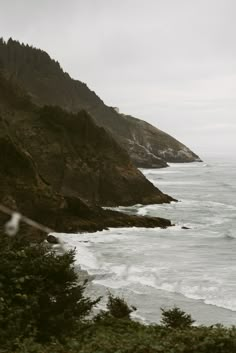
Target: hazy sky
x,y
170,62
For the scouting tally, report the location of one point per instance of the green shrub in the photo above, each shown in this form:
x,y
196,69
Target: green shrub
x,y
116,308
176,318
39,293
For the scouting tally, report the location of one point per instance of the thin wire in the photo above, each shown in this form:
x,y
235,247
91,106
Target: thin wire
x,y
27,220
60,245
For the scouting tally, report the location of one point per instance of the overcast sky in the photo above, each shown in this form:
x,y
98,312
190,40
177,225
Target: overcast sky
x,y
170,62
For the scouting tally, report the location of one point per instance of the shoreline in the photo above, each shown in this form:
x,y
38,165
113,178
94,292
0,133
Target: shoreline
x,y
203,313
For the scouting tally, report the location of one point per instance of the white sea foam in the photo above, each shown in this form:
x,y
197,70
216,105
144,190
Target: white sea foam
x,y
187,165
84,257
122,276
136,316
158,172
174,182
208,294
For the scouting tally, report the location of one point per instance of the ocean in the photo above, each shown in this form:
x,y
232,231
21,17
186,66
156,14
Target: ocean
x,y
194,268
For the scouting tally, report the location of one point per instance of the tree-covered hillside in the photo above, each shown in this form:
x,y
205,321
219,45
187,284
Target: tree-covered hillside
x,y
48,84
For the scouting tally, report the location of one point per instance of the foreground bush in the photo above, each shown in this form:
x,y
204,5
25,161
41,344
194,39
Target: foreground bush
x,y
176,318
127,336
136,338
117,308
39,293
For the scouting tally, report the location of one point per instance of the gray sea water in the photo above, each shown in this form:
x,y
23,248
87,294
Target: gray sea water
x,y
194,269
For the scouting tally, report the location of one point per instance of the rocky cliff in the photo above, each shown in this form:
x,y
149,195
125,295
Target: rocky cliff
x,y
72,154
142,134
57,167
23,189
47,84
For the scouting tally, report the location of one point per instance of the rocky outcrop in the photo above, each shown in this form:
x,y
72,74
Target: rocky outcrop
x,y
23,189
164,148
59,168
142,156
72,154
46,82
32,197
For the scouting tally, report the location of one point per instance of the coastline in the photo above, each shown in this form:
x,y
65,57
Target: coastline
x,y
190,265
203,313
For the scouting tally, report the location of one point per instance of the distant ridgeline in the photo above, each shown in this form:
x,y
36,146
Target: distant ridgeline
x,y
47,84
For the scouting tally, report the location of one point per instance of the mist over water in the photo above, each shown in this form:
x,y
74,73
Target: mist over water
x,y
194,268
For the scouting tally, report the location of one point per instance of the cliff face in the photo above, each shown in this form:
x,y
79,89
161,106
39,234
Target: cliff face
x,y
22,189
47,84
165,147
56,166
72,154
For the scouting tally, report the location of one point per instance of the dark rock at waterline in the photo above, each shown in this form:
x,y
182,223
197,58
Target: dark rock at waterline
x,y
52,239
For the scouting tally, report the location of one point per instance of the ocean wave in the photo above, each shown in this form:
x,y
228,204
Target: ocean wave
x,y
229,234
83,257
188,165
175,182
126,240
204,203
207,294
87,259
207,206
210,295
229,304
210,291
158,172
184,203
137,316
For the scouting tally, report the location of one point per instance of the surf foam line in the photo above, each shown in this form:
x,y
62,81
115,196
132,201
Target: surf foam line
x,y
81,243
206,295
228,304
121,277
